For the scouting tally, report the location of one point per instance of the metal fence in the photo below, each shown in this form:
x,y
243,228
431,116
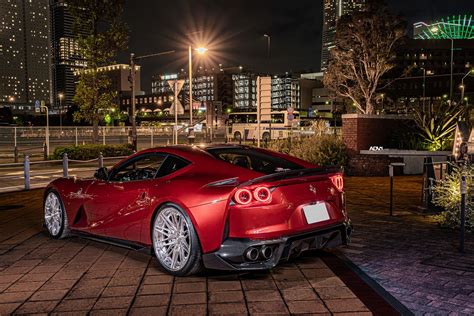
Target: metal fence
x,y
15,142
29,174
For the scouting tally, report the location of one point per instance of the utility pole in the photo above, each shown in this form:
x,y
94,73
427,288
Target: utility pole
x,y
132,118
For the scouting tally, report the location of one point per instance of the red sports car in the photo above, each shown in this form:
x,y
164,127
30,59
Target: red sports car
x,y
220,207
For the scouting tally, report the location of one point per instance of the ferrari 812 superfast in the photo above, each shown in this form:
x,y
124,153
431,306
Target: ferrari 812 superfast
x,y
227,207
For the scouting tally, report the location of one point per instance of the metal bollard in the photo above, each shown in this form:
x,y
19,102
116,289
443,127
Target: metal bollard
x,y
463,189
15,153
151,138
45,151
65,166
26,172
101,160
391,174
76,137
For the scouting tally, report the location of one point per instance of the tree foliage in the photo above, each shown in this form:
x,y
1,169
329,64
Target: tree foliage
x,y
447,194
364,51
102,36
437,125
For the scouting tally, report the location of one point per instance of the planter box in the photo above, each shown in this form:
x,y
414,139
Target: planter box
x,y
362,131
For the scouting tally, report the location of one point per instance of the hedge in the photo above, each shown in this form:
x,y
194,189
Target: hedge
x,y
86,152
323,150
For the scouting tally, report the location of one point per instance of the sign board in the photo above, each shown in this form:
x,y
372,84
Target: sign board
x,y
291,117
290,110
37,106
179,86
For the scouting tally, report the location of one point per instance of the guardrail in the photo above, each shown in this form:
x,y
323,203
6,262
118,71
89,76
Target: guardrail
x,y
29,174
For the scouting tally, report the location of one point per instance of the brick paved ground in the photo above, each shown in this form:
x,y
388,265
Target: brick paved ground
x,y
408,254
77,276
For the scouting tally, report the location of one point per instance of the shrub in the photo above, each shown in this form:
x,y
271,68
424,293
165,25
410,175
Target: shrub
x,y
447,195
85,152
323,150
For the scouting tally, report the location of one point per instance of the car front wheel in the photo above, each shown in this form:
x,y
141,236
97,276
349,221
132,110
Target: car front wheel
x,y
175,242
55,217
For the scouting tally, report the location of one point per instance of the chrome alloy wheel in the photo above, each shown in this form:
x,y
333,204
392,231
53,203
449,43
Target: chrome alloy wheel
x,y
53,214
171,239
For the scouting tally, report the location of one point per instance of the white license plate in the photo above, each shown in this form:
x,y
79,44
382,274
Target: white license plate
x,y
316,213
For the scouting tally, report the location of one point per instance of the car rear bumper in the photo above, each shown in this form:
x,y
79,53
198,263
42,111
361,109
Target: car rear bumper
x,y
233,253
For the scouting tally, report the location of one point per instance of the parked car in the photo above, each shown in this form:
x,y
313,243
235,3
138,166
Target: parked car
x,y
222,207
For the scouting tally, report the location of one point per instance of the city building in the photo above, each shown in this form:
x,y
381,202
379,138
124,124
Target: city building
x,y
426,62
66,58
209,87
24,54
332,11
244,91
285,92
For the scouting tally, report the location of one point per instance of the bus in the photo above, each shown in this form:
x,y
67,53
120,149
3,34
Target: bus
x,y
242,126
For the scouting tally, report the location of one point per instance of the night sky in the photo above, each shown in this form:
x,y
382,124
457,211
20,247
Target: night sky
x,y
233,31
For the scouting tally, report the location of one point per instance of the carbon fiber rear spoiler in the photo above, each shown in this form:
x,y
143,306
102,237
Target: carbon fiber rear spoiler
x,y
291,174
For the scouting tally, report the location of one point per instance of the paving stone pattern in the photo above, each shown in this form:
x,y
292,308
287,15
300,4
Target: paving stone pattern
x,y
77,277
408,254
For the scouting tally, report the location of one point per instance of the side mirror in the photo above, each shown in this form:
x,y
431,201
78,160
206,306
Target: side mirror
x,y
102,174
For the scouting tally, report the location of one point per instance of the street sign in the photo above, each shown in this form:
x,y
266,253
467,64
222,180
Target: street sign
x,y
37,106
290,110
291,117
179,86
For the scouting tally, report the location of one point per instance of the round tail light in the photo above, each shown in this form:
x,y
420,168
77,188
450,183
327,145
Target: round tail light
x,y
262,194
243,196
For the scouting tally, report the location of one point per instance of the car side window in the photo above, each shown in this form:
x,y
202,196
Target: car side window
x,y
170,165
143,167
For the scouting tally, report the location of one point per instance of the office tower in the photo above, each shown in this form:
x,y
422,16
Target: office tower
x,y
66,55
24,53
332,11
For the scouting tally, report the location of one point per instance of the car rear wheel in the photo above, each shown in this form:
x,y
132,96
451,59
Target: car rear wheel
x,y
175,242
55,217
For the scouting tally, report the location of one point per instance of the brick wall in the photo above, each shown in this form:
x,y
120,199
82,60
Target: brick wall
x,y
360,131
372,165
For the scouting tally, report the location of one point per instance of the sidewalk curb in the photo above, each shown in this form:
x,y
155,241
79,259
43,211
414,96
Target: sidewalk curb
x,y
371,283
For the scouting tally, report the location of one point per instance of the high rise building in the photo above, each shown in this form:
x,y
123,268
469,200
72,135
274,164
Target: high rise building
x,y
285,92
24,53
66,57
332,11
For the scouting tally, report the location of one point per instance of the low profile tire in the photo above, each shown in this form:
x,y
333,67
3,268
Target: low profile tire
x,y
237,136
55,217
175,242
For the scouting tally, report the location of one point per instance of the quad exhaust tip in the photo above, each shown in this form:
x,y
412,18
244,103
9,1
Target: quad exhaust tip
x,y
252,253
267,252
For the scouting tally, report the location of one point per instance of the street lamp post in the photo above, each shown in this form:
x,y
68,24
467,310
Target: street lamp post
x,y
435,30
463,87
61,96
268,44
133,60
47,129
199,50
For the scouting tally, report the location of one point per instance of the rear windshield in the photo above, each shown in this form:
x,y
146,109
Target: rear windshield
x,y
254,160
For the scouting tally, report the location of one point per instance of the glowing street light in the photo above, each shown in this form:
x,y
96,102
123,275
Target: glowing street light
x,y
201,50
